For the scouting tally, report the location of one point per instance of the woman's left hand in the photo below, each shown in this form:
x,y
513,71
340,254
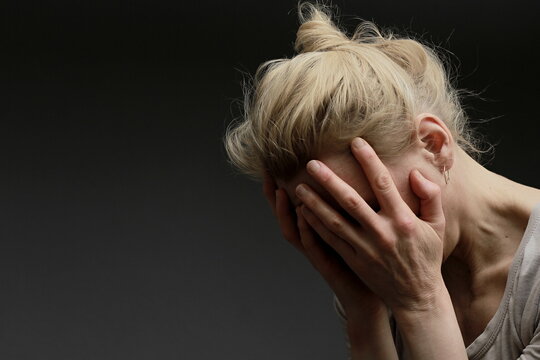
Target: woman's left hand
x,y
397,254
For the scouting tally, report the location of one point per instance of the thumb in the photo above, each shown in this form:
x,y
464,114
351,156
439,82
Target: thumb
x,y
430,198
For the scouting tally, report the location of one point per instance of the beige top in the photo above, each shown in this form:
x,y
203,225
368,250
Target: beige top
x,y
514,330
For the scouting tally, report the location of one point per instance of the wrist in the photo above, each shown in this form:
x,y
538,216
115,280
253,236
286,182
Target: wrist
x,y
361,309
370,335
437,304
431,330
366,321
426,299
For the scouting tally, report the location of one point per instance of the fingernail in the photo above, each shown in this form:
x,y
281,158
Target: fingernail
x,y
313,166
358,142
301,190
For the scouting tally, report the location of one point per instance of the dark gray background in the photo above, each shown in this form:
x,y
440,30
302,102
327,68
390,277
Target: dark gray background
x,y
124,233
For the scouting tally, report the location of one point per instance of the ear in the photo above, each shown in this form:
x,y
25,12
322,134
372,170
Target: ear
x,y
435,137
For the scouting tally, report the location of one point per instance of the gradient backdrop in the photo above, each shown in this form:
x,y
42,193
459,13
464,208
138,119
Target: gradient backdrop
x,y
125,234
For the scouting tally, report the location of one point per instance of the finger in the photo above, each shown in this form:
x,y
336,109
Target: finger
x,y
313,245
321,255
312,248
342,247
286,221
269,190
379,178
430,198
344,194
328,216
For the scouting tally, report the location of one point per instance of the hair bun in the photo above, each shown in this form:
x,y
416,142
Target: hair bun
x,y
317,31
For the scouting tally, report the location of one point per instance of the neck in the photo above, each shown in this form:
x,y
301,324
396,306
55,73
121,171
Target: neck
x,y
486,216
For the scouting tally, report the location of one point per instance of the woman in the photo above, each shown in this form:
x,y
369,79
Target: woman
x,y
371,170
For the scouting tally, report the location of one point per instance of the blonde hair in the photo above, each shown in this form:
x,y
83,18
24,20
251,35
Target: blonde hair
x,y
370,85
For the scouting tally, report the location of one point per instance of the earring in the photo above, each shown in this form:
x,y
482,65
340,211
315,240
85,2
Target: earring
x,y
446,174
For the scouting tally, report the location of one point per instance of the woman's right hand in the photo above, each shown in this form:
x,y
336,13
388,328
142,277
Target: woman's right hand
x,y
358,301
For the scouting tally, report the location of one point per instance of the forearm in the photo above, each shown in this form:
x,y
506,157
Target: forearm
x,y
432,332
370,336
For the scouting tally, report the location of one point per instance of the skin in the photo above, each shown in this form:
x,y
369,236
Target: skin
x,y
396,236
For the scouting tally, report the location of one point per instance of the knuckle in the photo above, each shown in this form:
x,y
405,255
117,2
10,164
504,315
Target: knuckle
x,y
351,202
383,182
325,176
310,202
335,223
368,153
404,224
